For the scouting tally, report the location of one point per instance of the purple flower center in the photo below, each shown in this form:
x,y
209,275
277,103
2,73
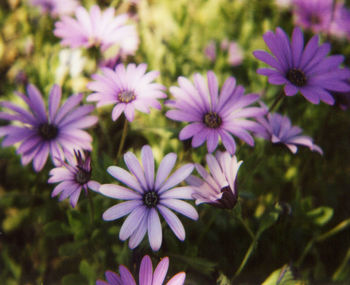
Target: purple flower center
x,y
212,120
48,131
150,199
296,77
82,176
228,199
126,96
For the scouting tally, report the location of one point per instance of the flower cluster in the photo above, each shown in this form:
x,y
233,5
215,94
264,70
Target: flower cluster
x,y
223,117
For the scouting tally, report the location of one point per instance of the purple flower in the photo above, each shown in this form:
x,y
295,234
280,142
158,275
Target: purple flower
x,y
235,54
212,115
94,28
306,70
146,274
72,177
278,129
147,194
219,187
340,25
58,133
315,15
210,51
56,7
129,88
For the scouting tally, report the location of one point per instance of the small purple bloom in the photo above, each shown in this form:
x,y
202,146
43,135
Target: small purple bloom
x,y
56,7
340,25
210,51
315,15
219,187
129,88
73,177
212,115
146,274
59,132
235,54
306,70
146,195
95,28
278,129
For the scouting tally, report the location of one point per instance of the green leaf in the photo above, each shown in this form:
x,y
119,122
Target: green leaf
x,y
88,271
55,229
321,216
73,279
223,280
281,276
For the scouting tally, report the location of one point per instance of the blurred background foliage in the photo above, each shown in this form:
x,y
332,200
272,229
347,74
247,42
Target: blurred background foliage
x,y
291,225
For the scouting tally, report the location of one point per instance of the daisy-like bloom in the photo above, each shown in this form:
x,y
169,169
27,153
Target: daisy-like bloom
x,y
146,274
129,88
340,25
235,54
315,15
146,195
212,115
94,28
210,51
59,132
279,130
72,177
217,188
56,7
306,70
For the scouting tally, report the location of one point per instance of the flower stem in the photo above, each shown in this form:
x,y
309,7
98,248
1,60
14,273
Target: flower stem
x,y
246,257
122,140
277,100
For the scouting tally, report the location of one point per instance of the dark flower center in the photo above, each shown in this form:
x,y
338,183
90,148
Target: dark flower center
x,y
48,131
297,77
126,96
151,199
315,19
82,176
228,199
212,120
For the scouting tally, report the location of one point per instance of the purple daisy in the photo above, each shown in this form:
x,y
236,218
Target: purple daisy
x,y
73,177
306,70
129,88
56,7
146,274
58,133
340,25
94,28
278,129
147,196
315,15
235,54
212,115
217,188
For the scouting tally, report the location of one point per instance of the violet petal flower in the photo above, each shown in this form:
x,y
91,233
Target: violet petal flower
x,y
72,177
306,70
146,274
95,28
217,188
235,54
340,25
129,88
56,7
315,15
146,194
278,129
59,132
213,115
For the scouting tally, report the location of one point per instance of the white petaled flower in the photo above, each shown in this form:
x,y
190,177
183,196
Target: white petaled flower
x,y
146,195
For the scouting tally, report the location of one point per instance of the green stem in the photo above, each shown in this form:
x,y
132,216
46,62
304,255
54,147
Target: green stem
x,y
122,140
247,228
246,258
277,100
